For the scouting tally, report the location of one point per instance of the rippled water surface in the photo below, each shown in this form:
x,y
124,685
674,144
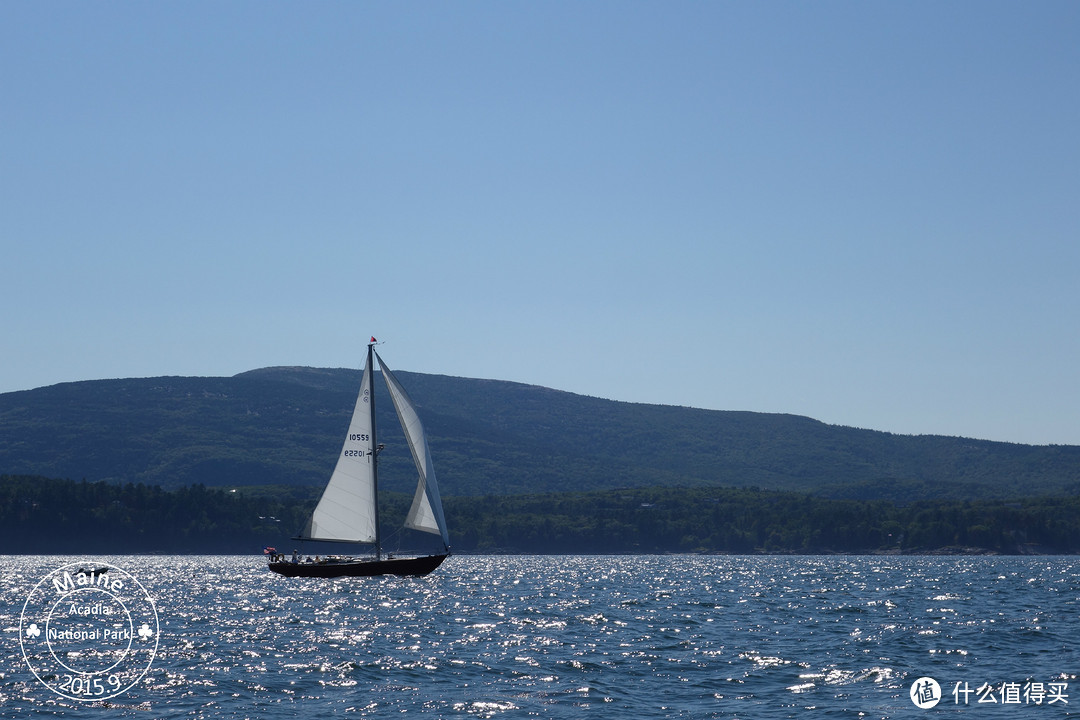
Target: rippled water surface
x,y
568,637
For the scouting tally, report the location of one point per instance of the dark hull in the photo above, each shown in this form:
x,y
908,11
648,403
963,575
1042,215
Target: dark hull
x,y
360,568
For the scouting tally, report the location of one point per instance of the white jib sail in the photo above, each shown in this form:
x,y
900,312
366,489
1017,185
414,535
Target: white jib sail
x,y
426,513
346,510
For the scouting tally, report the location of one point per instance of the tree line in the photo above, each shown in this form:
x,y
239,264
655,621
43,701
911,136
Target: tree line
x,y
42,515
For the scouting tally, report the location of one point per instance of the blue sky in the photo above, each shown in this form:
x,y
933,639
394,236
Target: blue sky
x,y
863,212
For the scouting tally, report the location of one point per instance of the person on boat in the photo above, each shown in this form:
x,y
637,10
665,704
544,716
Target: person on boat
x,y
295,559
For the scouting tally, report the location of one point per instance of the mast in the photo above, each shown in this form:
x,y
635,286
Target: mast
x,y
374,452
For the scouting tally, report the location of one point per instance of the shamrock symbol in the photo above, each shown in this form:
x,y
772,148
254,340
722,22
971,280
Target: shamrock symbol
x,y
145,632
33,631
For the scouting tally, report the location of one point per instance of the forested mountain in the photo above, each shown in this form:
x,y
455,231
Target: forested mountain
x,y
284,426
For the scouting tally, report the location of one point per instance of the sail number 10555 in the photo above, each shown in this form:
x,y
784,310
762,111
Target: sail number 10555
x,y
359,437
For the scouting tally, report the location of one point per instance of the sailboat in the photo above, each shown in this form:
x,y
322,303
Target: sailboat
x,y
348,511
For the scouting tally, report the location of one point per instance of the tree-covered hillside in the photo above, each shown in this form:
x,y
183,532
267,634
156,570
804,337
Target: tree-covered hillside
x,y
40,515
284,426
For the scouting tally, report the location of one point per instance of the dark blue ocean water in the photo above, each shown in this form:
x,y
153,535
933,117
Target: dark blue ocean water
x,y
570,637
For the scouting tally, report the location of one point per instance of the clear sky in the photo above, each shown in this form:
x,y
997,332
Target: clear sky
x,y
863,212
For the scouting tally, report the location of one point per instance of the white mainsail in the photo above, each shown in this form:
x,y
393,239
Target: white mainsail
x,y
346,511
426,512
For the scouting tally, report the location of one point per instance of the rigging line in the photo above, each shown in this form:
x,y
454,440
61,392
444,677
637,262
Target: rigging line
x,y
394,538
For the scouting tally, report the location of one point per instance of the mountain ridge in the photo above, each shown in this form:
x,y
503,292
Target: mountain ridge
x,y
284,425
